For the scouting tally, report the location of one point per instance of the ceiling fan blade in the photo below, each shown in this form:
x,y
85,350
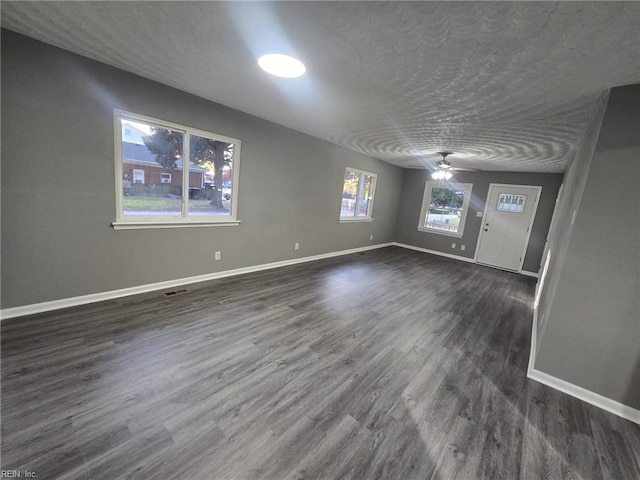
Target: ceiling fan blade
x,y
463,169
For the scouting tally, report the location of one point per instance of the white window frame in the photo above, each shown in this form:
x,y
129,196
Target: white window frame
x,y
426,199
165,177
182,219
136,171
355,217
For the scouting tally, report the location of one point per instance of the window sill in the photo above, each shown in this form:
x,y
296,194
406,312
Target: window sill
x,y
355,219
440,232
138,225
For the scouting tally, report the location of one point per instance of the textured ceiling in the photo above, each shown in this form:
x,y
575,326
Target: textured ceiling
x,y
505,85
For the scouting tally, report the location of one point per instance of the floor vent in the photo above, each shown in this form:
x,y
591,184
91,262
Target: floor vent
x,y
173,293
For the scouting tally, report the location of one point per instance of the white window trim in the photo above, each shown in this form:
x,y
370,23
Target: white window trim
x,y
131,225
127,222
355,218
137,170
165,176
429,185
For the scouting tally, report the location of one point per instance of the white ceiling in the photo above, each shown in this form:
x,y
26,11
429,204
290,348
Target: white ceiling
x,y
504,85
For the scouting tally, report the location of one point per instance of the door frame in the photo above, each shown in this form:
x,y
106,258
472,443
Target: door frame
x,y
529,228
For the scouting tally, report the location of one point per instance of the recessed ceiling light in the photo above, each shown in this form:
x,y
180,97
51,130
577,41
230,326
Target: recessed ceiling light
x,y
281,65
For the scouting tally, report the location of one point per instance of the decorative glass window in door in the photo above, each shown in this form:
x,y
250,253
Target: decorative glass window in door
x,y
508,202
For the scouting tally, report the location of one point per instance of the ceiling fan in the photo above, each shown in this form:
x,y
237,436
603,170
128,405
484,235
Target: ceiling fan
x,y
444,168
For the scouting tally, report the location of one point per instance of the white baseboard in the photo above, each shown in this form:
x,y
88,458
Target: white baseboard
x,y
600,401
125,292
580,393
534,343
528,273
456,257
434,252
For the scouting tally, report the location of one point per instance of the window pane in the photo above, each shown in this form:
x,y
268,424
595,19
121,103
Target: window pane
x,y
210,176
162,176
349,193
365,195
445,209
151,182
511,203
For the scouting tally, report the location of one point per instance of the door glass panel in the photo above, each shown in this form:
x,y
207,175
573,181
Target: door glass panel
x,y
508,202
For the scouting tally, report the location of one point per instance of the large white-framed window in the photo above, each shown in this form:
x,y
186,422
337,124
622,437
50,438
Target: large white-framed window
x,y
358,190
170,175
444,207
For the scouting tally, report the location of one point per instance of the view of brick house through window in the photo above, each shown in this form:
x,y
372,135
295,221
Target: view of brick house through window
x,y
157,182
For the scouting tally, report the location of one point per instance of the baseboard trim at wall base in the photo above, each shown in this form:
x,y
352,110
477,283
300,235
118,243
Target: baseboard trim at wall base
x,y
151,287
434,252
612,406
528,273
455,257
580,393
534,342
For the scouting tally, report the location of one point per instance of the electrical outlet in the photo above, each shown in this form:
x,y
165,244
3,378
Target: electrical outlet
x,y
296,246
479,214
218,255
453,245
371,237
463,247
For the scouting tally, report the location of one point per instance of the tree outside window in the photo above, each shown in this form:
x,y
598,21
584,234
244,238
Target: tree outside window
x,y
189,175
444,208
357,195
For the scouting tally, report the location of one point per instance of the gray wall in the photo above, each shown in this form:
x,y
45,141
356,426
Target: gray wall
x,y
411,202
574,181
58,187
592,334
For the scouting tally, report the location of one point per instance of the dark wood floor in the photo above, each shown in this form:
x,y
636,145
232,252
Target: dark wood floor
x,y
389,364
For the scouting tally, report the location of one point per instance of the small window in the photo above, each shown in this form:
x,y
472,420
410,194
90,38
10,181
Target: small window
x,y
508,202
171,175
138,176
357,195
444,208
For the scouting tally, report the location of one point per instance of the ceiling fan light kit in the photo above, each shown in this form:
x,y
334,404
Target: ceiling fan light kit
x,y
441,175
444,168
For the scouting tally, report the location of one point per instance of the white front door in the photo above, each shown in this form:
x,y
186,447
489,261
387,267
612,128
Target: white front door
x,y
506,225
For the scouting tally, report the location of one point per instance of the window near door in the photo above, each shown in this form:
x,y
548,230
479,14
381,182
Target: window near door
x,y
444,208
156,186
357,195
511,203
